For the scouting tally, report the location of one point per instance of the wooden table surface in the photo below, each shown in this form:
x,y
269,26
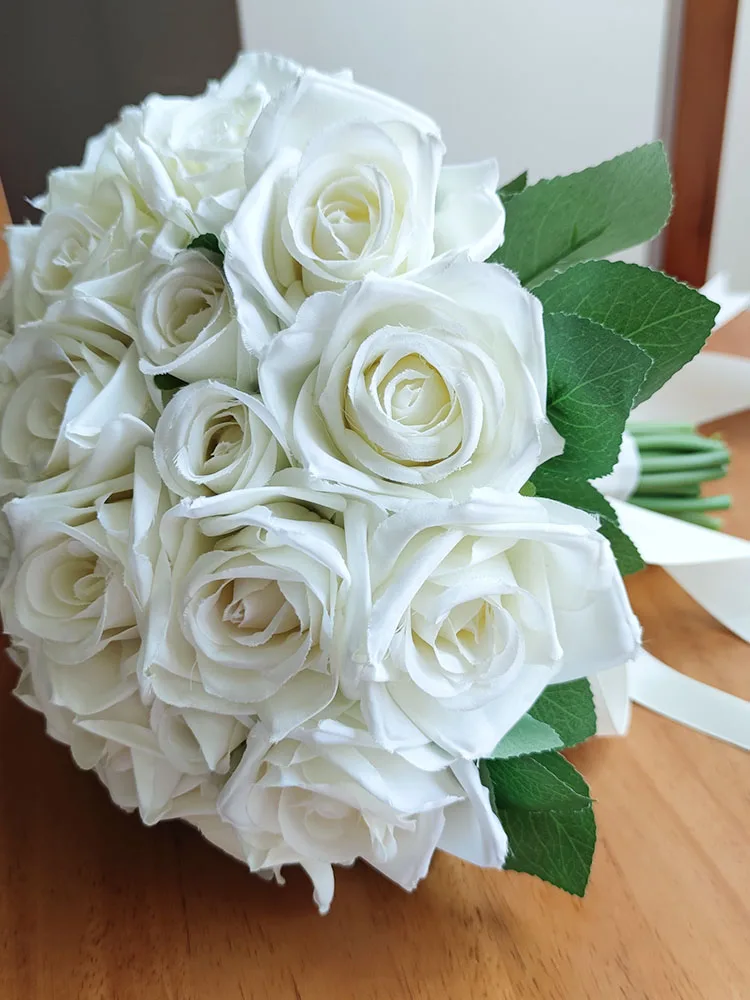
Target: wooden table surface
x,y
94,906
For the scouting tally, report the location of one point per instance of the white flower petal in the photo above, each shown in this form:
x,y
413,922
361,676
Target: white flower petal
x,y
472,831
470,216
311,103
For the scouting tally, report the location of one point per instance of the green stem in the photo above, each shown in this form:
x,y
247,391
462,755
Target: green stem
x,y
644,428
678,505
673,463
672,443
704,520
667,481
687,490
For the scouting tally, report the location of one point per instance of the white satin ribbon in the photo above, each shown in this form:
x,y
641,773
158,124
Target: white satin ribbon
x,y
714,568
709,387
707,709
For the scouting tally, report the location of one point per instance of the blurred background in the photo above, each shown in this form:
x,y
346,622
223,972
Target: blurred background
x,y
543,85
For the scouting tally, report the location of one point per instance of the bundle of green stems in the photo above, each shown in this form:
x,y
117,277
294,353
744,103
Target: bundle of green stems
x,y
675,463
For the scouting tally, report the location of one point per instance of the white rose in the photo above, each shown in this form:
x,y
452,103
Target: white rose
x,y
213,438
66,589
331,795
185,154
90,244
187,325
461,614
69,601
32,419
68,564
396,385
241,620
344,181
69,381
119,743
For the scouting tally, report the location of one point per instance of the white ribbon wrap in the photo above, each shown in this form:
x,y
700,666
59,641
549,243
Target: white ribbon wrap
x,y
714,568
709,387
683,699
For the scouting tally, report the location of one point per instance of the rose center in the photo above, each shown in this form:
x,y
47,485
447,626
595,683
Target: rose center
x,y
258,606
78,582
192,310
472,630
68,259
223,440
347,214
68,255
412,392
224,436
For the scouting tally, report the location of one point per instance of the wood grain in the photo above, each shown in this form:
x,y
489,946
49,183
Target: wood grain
x,y
708,28
94,906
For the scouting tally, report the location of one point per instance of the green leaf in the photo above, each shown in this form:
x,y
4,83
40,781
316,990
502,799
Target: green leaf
x,y
545,808
627,556
593,377
206,241
537,781
168,382
668,320
556,223
557,847
514,187
529,735
580,493
568,709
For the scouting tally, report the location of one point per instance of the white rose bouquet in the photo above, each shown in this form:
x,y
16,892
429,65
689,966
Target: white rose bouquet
x,y
297,432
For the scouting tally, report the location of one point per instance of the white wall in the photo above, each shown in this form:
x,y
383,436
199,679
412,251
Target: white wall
x,y
730,244
549,85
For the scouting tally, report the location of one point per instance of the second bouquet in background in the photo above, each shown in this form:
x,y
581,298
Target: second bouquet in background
x,y
297,433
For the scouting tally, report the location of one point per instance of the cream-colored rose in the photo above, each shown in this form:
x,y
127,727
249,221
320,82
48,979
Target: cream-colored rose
x,y
185,154
66,588
344,182
146,761
68,381
90,244
212,438
242,615
329,795
462,613
187,325
74,601
397,387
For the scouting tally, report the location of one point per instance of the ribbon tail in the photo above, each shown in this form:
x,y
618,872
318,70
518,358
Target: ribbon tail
x,y
683,699
612,703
